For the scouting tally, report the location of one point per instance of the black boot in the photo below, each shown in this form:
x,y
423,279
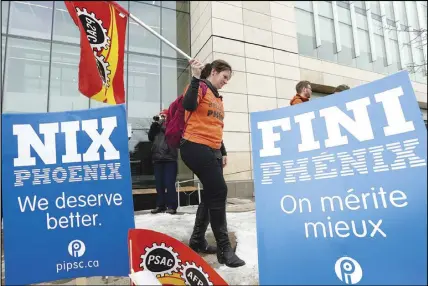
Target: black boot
x,y
158,210
197,241
225,253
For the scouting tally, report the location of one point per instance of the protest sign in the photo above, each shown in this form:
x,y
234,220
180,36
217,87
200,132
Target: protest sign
x,y
173,262
341,188
67,195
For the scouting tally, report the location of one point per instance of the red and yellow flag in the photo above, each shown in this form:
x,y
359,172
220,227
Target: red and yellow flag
x,y
102,26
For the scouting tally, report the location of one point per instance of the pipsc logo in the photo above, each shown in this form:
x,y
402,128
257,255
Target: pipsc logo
x,y
348,270
76,248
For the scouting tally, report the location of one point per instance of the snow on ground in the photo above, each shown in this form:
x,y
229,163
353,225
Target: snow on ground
x,y
243,224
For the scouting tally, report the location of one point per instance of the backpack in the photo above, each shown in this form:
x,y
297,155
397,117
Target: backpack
x,y
175,123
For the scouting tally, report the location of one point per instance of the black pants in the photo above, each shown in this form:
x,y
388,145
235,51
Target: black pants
x,y
206,163
165,176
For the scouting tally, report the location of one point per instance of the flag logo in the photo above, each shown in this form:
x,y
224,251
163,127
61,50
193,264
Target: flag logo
x,y
95,32
102,66
102,26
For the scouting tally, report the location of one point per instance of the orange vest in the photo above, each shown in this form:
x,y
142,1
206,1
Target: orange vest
x,y
205,125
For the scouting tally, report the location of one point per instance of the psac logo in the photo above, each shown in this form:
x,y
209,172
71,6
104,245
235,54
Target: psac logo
x,y
27,138
98,39
164,262
160,259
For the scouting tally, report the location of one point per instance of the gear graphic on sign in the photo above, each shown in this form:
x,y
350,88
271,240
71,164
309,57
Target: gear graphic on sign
x,y
160,259
102,66
196,269
95,32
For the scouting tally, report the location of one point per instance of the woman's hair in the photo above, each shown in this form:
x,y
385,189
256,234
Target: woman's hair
x,y
217,65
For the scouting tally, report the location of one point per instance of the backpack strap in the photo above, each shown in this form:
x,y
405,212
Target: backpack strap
x,y
204,87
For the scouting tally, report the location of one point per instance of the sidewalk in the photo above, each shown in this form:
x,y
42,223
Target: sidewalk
x,y
242,228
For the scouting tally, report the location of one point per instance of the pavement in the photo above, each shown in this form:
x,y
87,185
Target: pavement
x,y
233,205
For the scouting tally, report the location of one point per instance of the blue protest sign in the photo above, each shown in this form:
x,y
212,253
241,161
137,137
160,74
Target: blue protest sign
x,y
341,188
67,195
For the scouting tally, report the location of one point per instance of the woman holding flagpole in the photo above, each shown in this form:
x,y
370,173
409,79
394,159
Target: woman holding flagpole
x,y
203,151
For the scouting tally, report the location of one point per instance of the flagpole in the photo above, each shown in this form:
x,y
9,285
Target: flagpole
x,y
159,36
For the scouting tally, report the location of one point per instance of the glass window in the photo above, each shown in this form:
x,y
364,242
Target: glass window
x,y
365,58
26,76
143,90
155,3
184,173
380,65
175,77
125,5
389,10
424,12
64,89
3,51
419,64
343,4
375,7
4,15
360,4
325,9
407,51
182,6
377,27
31,19
175,28
395,57
141,40
376,17
344,15
360,11
140,154
304,5
412,15
64,28
347,55
362,22
402,17
327,50
392,33
306,33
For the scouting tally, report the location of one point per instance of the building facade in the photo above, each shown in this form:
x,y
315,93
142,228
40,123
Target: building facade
x,y
271,45
40,58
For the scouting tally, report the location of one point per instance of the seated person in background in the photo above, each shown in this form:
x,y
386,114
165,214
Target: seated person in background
x,y
165,166
341,88
304,92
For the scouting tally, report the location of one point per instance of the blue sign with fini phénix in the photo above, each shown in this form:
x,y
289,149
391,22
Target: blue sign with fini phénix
x,y
341,188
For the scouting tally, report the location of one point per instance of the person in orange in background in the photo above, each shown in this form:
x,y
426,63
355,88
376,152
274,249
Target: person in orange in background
x,y
165,166
304,92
